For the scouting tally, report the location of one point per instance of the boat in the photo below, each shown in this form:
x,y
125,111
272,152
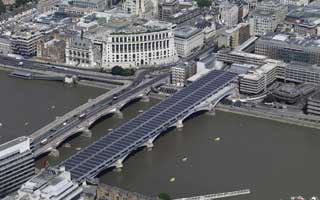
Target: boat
x,y
110,129
0,124
173,179
27,123
184,159
53,107
140,111
217,139
78,148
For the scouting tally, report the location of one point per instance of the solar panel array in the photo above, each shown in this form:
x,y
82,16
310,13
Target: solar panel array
x,y
133,134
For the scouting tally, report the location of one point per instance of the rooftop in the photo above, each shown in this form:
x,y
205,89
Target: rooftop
x,y
13,142
264,13
315,96
305,12
185,31
292,39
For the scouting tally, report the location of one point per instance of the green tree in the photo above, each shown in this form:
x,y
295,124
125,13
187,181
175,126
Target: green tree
x,y
2,7
164,196
204,3
117,70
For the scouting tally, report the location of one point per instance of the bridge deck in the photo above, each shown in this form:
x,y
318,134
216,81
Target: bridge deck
x,y
133,134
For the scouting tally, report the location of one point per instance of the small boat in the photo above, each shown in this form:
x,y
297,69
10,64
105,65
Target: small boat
x,y
173,179
140,111
217,139
110,129
78,148
0,124
26,124
53,107
184,159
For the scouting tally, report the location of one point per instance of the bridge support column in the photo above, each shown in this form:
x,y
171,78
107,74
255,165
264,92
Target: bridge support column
x,y
211,112
179,123
145,98
149,144
118,165
54,153
86,132
118,114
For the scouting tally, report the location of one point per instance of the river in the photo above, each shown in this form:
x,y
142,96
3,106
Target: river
x,y
272,159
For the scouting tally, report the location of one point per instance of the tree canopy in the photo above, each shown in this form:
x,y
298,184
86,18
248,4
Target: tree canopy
x,y
117,70
2,7
164,196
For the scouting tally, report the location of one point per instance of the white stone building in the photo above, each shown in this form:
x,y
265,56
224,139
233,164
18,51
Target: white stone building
x,y
229,13
187,39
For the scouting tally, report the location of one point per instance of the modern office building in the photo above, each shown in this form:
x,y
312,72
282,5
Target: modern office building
x,y
187,39
98,5
236,35
24,42
16,165
180,74
186,16
257,79
313,104
229,13
5,46
50,184
289,47
241,58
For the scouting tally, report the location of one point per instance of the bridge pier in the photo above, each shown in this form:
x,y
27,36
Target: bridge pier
x,y
118,165
86,132
179,123
54,153
149,144
145,98
118,113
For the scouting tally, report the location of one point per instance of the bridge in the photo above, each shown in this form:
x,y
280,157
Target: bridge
x,y
112,149
80,119
218,195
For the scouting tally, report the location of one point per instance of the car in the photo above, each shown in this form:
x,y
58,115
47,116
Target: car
x,y
65,123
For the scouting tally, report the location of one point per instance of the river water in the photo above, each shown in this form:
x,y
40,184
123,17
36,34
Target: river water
x,y
272,159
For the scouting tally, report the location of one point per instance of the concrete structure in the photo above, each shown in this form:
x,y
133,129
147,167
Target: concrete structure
x,y
50,184
180,74
208,28
134,7
98,5
313,104
47,5
46,139
52,51
112,149
16,164
295,2
229,13
289,47
187,16
168,8
257,79
5,46
291,93
187,39
130,42
236,35
263,21
25,42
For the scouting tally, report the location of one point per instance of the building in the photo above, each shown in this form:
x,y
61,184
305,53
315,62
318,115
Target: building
x,y
208,28
237,35
299,73
167,8
81,52
289,47
241,58
130,42
180,74
292,93
47,5
52,51
299,3
304,20
16,165
134,7
263,21
186,16
50,184
98,5
5,46
313,104
229,13
8,2
276,6
187,39
24,42
257,79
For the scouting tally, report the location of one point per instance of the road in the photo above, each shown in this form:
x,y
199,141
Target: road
x,y
70,122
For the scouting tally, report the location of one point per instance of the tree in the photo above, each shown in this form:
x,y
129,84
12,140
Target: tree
x,y
164,196
204,3
2,7
117,70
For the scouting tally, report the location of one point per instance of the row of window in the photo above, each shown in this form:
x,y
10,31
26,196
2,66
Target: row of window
x,y
140,38
79,54
151,46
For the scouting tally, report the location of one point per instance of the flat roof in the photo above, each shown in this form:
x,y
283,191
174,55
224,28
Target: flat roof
x,y
185,31
13,142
